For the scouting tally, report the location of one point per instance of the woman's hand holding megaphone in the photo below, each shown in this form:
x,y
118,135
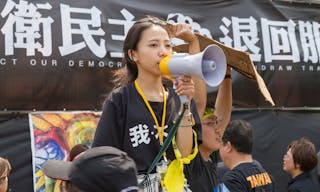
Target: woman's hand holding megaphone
x,y
184,85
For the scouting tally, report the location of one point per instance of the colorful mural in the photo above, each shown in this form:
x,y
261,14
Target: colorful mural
x,y
53,135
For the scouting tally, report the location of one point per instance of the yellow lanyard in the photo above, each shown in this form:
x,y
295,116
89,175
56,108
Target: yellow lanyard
x,y
160,130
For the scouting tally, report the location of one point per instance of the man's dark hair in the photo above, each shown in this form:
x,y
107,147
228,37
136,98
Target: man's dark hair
x,y
239,134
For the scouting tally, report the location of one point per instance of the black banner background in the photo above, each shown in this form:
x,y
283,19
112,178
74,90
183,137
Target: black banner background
x,y
24,86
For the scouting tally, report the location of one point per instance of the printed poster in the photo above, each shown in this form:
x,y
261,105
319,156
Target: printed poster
x,y
53,134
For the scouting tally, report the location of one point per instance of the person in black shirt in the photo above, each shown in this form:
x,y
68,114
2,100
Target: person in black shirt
x,y
299,160
245,175
138,115
201,173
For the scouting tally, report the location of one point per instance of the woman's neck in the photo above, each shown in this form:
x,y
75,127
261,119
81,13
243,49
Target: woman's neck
x,y
151,87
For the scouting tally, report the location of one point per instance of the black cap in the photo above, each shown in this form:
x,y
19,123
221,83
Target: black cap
x,y
100,169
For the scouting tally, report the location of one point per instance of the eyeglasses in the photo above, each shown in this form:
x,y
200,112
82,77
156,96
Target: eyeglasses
x,y
210,121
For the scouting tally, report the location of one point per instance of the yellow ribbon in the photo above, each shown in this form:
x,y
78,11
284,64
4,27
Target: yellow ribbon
x,y
174,178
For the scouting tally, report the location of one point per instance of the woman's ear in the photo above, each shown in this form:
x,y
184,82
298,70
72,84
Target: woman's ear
x,y
132,55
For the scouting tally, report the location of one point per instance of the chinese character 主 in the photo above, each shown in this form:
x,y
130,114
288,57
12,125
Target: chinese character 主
x,y
127,24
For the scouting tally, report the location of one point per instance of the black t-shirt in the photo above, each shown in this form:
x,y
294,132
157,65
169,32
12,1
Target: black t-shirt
x,y
303,183
202,175
248,177
127,124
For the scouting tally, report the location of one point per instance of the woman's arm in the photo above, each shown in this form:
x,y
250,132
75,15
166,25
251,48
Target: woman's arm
x,y
184,32
190,87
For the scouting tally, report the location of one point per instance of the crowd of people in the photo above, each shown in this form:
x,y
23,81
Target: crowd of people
x,y
142,110
140,113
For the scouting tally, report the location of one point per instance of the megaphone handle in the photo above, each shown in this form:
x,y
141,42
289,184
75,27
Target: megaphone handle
x,y
183,98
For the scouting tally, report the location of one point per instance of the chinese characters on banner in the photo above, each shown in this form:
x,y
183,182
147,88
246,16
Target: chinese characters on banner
x,y
83,43
25,28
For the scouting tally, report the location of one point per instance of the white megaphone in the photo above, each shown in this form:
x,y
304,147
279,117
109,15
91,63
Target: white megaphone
x,y
210,65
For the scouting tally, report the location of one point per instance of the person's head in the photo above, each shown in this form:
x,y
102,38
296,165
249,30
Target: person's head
x,y
100,169
210,135
5,169
75,151
301,156
146,43
237,140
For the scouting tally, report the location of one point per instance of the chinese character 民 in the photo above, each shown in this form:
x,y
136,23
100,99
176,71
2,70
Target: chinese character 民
x,y
84,28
